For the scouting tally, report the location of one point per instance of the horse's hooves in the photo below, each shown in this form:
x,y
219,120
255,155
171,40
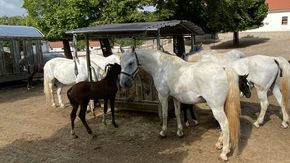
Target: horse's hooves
x,y
75,136
223,157
187,124
90,132
94,136
257,125
115,125
284,125
179,133
195,123
162,134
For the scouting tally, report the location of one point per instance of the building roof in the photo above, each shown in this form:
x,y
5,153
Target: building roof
x,y
141,29
9,31
278,5
56,44
94,43
59,44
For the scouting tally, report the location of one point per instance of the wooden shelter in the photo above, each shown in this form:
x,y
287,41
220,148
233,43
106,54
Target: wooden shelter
x,y
142,30
17,43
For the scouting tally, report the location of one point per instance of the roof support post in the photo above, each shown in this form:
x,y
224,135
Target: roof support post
x,y
192,42
134,42
75,44
178,45
158,40
88,58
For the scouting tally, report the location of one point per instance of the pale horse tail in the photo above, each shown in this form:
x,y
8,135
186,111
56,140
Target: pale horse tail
x,y
46,81
232,108
285,67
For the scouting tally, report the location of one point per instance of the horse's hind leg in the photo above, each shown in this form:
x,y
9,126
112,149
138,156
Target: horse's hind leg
x,y
82,116
177,115
73,115
262,95
112,104
220,116
59,89
50,85
164,104
279,98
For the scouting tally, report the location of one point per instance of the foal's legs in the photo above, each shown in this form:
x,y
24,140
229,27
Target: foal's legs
x,y
112,104
73,115
262,95
164,103
279,98
193,114
30,80
220,116
177,115
105,111
82,116
184,108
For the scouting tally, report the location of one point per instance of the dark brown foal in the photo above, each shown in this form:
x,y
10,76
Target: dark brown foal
x,y
82,92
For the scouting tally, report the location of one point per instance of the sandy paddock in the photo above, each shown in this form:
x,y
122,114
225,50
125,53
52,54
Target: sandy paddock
x,y
30,131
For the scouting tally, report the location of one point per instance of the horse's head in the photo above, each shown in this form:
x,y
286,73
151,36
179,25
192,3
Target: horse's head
x,y
130,67
113,68
244,86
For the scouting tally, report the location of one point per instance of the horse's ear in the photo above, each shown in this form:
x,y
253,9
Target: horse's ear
x,y
245,76
133,48
121,49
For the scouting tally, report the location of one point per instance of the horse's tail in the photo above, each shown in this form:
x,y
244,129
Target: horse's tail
x,y
46,81
284,74
232,108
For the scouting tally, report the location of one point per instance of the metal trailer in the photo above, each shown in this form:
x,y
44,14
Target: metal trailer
x,y
142,98
16,44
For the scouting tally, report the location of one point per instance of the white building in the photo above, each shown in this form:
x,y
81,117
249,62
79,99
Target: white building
x,y
277,18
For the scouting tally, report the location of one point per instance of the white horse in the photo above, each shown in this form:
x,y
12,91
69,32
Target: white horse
x,y
61,71
190,83
264,73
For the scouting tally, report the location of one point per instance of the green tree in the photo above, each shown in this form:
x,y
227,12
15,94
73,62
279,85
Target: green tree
x,y
122,11
192,10
215,15
13,20
234,16
55,17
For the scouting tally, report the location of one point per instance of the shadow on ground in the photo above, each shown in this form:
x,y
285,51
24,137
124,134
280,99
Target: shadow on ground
x,y
244,42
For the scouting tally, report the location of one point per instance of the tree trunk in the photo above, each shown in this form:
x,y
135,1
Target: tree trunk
x,y
66,48
236,39
106,48
178,45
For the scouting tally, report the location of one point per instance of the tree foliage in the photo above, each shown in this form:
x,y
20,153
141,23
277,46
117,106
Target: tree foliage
x,y
13,20
215,15
124,11
234,16
54,17
192,10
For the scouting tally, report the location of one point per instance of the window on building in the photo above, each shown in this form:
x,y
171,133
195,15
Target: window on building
x,y
284,20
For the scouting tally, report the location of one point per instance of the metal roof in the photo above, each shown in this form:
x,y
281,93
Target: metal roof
x,y
9,31
141,29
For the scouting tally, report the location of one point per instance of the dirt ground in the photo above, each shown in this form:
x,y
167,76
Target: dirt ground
x,y
30,131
